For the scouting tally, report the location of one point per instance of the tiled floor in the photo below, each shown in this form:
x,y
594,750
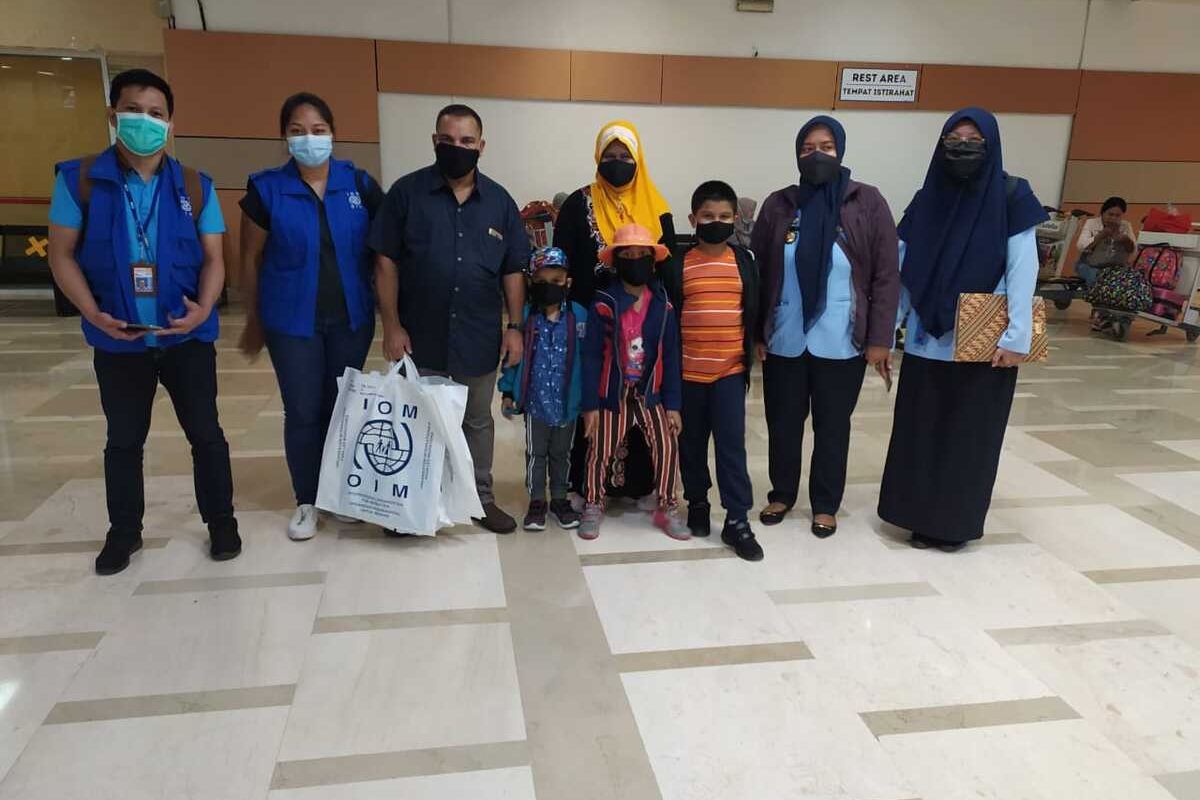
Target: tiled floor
x,y
1057,658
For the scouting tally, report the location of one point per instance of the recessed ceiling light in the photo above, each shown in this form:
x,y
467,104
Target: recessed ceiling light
x,y
5,66
43,72
67,58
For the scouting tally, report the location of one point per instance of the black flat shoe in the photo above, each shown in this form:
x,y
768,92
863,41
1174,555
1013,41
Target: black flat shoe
x,y
919,542
823,531
224,541
773,517
698,521
951,547
114,557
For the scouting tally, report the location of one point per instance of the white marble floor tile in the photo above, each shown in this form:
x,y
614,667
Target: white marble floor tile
x,y
907,653
381,691
87,604
1189,447
1015,586
1021,479
1040,761
1098,537
1023,445
1180,488
380,575
515,783
1142,693
757,731
673,606
188,642
1173,603
266,549
222,755
30,685
855,556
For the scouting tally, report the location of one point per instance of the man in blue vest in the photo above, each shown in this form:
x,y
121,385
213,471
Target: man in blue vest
x,y
135,243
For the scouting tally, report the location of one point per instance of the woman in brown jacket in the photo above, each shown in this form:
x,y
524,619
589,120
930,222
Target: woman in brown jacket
x,y
829,262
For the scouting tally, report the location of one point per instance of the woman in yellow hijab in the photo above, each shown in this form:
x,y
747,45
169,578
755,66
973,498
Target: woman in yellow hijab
x,y
622,192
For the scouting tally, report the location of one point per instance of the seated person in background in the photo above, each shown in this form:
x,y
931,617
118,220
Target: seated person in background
x,y
1105,241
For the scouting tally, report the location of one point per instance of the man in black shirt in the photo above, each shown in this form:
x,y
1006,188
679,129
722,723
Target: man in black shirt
x,y
450,245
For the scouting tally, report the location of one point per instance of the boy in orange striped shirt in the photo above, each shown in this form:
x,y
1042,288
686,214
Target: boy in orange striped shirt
x,y
714,287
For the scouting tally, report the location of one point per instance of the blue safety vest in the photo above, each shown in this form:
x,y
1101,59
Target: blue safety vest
x,y
104,253
287,282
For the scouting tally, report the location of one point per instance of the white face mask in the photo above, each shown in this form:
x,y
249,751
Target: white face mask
x,y
311,149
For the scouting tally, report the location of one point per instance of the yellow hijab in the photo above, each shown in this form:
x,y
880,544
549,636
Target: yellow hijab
x,y
637,201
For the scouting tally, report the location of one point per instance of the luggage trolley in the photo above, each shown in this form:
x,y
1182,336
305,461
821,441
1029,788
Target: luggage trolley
x,y
1054,239
1188,318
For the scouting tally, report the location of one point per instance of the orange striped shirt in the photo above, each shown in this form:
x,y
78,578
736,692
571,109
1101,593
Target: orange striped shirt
x,y
711,323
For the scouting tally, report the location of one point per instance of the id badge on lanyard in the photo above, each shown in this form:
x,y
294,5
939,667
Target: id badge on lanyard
x,y
144,271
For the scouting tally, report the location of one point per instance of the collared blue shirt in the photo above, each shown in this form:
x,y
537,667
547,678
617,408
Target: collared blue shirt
x,y
64,211
547,381
1018,283
452,260
832,335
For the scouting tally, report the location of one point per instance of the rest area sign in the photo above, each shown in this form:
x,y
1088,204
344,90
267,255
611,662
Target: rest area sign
x,y
879,85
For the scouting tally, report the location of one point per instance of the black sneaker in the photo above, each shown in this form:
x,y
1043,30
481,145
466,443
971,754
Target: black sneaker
x,y
565,514
739,536
118,547
698,519
535,518
224,541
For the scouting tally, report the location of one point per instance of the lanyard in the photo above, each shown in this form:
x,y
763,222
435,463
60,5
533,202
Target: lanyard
x,y
143,238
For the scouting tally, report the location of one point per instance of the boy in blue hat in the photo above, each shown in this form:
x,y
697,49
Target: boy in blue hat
x,y
546,386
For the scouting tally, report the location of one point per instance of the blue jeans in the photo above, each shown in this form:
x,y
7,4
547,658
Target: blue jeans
x,y
307,369
1089,273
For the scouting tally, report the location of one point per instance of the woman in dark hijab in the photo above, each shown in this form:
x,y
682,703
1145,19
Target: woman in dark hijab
x,y
969,229
827,253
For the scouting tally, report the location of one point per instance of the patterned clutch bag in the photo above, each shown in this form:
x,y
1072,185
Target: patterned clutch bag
x,y
982,320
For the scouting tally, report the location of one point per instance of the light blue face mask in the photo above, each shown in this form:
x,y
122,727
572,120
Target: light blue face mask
x,y
142,134
311,149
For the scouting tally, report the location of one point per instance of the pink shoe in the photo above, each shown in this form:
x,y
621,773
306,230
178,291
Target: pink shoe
x,y
670,523
589,526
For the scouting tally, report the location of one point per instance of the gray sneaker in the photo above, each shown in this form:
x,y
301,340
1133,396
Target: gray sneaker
x,y
648,504
589,527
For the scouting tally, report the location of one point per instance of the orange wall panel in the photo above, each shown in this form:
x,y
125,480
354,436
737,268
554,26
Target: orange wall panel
x,y
998,89
1137,116
758,82
616,77
519,73
229,199
232,84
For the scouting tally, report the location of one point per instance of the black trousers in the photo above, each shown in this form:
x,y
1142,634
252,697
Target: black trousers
x,y
128,382
716,411
830,388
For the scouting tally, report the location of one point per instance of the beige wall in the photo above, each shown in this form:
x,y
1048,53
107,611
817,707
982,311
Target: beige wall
x,y
123,26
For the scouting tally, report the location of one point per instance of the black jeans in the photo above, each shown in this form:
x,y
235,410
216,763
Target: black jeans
x,y
128,382
830,388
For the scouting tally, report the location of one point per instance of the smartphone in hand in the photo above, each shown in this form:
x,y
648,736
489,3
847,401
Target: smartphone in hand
x,y
137,327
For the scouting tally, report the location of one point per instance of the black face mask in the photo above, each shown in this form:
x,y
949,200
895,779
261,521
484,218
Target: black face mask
x,y
714,232
547,294
819,168
964,160
617,173
455,161
636,271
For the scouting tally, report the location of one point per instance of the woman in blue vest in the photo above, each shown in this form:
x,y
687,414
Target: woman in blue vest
x,y
307,281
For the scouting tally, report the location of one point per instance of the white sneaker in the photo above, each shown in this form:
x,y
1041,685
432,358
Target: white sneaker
x,y
347,520
304,523
648,504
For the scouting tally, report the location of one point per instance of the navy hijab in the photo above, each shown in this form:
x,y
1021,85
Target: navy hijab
x,y
957,233
820,210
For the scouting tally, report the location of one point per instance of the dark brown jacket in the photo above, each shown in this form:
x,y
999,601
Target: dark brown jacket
x,y
870,243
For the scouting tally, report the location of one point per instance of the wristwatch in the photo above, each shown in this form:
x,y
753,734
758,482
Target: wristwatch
x,y
513,326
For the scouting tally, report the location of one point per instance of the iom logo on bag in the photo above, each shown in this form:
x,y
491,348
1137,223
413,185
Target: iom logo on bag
x,y
386,448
